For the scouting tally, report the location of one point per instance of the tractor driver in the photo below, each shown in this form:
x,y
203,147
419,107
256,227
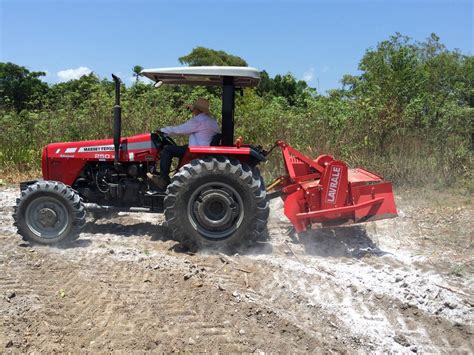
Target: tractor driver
x,y
200,128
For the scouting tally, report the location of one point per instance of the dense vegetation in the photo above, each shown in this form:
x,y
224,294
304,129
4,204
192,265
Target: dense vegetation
x,y
408,115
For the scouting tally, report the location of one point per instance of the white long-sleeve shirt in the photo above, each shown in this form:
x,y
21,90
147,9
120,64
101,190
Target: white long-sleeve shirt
x,y
201,128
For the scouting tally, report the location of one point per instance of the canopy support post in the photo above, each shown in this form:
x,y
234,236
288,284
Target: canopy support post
x,y
228,105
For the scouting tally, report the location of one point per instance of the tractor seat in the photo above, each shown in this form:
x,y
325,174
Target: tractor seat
x,y
216,139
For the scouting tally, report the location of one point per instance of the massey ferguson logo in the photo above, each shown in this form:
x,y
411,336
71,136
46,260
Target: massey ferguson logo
x,y
334,179
98,148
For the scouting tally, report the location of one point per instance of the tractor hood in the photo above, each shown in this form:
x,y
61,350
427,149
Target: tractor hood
x,y
106,146
64,161
208,76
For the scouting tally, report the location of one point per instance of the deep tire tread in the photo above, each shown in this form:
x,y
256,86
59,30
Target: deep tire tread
x,y
248,177
62,192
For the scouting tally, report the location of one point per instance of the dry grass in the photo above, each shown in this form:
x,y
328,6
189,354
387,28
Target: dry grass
x,y
14,176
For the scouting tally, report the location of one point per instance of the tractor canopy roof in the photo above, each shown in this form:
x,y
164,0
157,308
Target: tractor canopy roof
x,y
209,76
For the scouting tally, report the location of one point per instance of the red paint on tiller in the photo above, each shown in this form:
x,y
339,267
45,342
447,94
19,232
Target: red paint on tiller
x,y
325,191
334,179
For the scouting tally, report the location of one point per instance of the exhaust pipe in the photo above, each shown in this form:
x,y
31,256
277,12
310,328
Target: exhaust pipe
x,y
117,119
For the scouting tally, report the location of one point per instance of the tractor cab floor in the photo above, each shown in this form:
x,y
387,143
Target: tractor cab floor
x,y
401,285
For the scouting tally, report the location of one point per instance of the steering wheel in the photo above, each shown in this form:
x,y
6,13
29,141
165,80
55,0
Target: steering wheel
x,y
164,139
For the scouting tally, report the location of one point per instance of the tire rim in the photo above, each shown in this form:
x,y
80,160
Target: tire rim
x,y
46,217
215,210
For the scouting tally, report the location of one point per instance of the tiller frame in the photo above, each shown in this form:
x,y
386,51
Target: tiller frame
x,y
327,192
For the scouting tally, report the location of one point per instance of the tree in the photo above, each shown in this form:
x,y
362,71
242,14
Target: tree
x,y
202,56
266,84
468,82
20,88
136,72
77,91
287,86
407,86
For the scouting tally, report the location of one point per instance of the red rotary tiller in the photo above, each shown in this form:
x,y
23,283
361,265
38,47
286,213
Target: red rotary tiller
x,y
325,191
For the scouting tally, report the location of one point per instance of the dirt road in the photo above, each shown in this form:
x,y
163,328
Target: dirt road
x,y
401,285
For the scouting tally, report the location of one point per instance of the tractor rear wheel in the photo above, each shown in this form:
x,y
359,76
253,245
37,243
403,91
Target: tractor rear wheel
x,y
49,212
217,203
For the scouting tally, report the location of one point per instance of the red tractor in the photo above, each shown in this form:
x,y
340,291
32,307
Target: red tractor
x,y
217,198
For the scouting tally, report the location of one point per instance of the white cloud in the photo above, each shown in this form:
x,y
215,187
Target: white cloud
x,y
325,69
70,74
308,75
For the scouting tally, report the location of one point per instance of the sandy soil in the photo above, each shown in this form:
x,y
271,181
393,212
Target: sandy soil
x,y
402,285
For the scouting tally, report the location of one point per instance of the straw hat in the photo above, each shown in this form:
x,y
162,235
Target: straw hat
x,y
200,104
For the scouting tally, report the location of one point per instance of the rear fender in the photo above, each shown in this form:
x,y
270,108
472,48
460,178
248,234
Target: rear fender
x,y
245,155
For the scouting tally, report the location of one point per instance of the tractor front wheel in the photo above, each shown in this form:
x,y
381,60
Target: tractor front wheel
x,y
49,212
217,203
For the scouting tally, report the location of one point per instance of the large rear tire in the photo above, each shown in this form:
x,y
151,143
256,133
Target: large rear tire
x,y
49,212
217,203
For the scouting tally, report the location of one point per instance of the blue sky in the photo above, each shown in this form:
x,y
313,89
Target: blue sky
x,y
316,40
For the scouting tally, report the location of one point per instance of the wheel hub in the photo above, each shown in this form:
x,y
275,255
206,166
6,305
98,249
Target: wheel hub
x,y
47,217
215,210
